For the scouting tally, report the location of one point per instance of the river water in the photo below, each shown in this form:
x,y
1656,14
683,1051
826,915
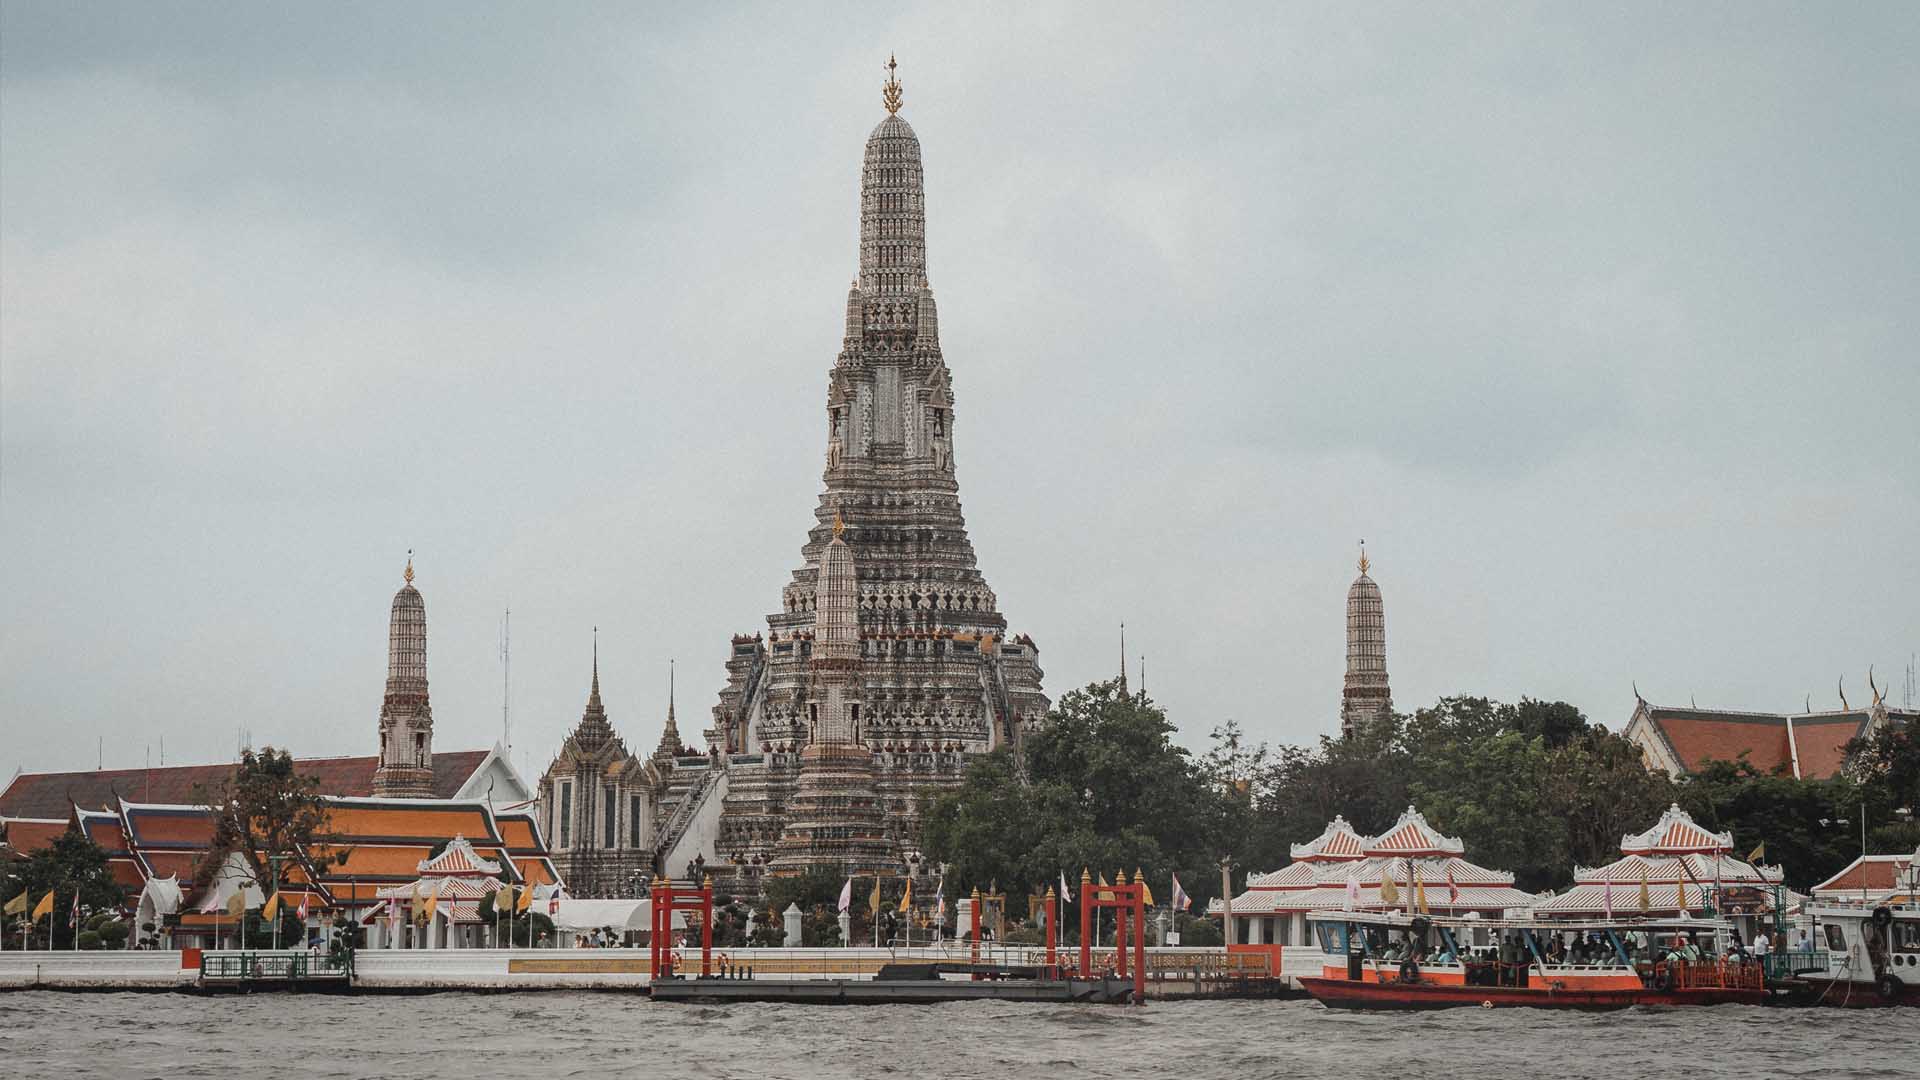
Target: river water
x,y
557,1036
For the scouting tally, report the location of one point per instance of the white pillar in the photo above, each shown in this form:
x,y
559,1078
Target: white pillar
x,y
846,929
792,918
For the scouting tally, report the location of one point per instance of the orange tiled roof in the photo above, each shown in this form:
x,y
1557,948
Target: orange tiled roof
x,y
1700,736
49,795
412,819
1822,741
1876,874
28,835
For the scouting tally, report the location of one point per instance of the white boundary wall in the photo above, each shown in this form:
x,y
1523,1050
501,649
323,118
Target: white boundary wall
x,y
101,970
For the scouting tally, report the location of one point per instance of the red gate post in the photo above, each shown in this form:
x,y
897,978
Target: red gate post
x,y
1053,931
973,924
706,927
658,903
1139,936
1121,918
1086,929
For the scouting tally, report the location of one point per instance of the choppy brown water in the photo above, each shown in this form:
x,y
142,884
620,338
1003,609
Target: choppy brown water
x,y
557,1036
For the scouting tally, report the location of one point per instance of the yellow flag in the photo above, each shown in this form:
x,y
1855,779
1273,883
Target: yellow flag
x,y
44,907
237,904
1146,891
1419,893
1646,897
1103,894
1758,853
18,904
906,898
1389,892
433,904
873,902
1680,892
526,898
271,907
503,900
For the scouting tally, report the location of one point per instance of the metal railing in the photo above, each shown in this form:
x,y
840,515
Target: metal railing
x,y
1786,965
272,966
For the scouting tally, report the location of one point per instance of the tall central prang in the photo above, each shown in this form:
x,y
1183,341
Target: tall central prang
x,y
938,677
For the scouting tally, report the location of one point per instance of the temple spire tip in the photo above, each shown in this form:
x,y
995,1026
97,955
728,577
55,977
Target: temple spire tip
x,y
890,92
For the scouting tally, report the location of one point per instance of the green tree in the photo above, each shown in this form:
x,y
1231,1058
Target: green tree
x,y
269,814
72,863
1101,785
1810,827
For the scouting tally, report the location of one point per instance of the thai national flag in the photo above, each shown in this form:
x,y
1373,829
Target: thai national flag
x,y
1066,894
1181,901
73,920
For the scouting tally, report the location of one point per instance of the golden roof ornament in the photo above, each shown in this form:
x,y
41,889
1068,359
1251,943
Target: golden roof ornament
x,y
890,93
409,574
1364,564
839,524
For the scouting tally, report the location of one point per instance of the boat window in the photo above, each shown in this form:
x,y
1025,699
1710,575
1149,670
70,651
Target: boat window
x,y
1906,936
1836,938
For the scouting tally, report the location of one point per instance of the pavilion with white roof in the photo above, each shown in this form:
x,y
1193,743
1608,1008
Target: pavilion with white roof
x,y
451,884
1677,866
1342,870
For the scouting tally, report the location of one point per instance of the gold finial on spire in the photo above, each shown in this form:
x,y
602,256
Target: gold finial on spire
x,y
839,524
890,93
1364,563
409,574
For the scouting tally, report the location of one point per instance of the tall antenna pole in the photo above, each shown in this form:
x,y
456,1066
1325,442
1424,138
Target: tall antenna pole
x,y
506,678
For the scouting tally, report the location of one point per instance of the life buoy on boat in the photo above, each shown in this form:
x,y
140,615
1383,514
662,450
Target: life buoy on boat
x,y
1663,979
1882,916
1887,986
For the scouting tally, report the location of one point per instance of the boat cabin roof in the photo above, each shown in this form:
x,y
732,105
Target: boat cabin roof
x,y
1397,920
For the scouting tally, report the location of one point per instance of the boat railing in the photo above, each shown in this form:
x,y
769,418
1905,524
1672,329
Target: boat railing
x,y
1711,974
1793,963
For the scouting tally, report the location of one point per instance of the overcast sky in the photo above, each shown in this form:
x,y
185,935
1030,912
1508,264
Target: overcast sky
x,y
1597,322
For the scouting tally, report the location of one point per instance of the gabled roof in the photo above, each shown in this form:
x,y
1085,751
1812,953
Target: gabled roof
x,y
1411,835
1675,834
1811,745
28,835
1871,876
458,860
50,795
1338,841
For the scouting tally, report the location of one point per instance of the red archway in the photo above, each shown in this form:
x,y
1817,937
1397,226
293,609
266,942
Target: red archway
x,y
668,898
1128,899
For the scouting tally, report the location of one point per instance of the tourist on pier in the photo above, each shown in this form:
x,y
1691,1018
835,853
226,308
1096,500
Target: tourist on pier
x,y
1762,945
1801,941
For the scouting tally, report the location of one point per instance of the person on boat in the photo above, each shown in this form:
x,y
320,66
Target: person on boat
x,y
1801,941
1762,945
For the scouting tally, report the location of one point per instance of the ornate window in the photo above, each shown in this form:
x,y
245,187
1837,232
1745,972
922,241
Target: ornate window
x,y
612,806
566,814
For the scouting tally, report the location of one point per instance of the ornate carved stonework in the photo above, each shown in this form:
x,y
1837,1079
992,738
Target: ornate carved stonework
x,y
406,713
1365,698
938,678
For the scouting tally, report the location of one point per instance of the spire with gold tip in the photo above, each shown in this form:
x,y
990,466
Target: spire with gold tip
x,y
890,93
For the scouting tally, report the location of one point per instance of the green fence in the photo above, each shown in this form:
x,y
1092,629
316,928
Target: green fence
x,y
1786,965
272,966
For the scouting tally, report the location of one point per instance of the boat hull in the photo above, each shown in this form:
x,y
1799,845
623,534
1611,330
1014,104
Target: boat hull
x,y
1347,994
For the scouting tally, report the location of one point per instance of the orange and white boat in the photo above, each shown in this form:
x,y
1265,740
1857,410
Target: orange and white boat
x,y
1394,960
